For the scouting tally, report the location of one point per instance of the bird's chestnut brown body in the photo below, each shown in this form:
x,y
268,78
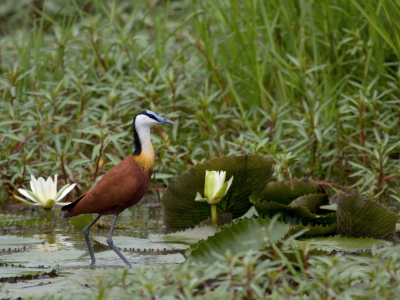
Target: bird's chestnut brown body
x,y
121,187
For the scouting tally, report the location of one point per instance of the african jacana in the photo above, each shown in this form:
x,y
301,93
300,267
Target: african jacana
x,y
122,186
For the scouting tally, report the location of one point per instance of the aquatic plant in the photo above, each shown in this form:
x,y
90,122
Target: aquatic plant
x,y
44,193
215,189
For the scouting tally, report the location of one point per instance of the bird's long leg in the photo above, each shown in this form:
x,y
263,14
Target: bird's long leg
x,y
111,244
86,236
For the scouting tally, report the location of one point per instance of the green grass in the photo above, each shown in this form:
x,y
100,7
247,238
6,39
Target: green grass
x,y
313,85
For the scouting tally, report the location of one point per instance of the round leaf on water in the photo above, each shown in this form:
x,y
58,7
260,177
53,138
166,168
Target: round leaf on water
x,y
236,238
17,242
175,258
338,243
138,243
35,258
317,230
285,193
24,271
251,172
190,235
37,288
292,215
311,202
361,217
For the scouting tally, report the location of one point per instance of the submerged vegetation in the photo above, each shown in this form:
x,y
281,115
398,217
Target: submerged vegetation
x,y
296,101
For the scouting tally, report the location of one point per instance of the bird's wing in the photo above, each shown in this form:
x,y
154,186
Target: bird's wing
x,y
124,182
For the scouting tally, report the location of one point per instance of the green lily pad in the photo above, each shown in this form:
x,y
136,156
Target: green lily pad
x,y
251,172
17,242
292,215
125,242
175,258
312,202
338,243
190,236
37,289
238,237
19,271
285,193
35,258
317,230
361,217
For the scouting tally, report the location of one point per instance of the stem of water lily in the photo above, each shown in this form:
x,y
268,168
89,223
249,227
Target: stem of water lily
x,y
214,214
48,213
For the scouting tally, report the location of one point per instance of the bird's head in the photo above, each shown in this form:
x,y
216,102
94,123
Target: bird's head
x,y
141,130
147,118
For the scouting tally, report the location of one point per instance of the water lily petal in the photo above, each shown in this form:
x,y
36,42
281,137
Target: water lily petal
x,y
199,198
37,199
33,184
212,184
25,201
61,191
41,189
229,183
54,188
67,189
49,188
222,176
63,203
26,194
36,184
220,194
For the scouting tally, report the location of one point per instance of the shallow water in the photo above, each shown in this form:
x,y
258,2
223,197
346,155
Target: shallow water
x,y
140,221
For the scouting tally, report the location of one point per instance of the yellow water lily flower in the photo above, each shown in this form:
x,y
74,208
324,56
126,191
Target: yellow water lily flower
x,y
215,189
44,193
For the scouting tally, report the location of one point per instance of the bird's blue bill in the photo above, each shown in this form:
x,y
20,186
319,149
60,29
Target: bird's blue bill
x,y
162,120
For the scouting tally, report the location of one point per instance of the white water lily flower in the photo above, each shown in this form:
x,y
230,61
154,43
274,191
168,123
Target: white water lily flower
x,y
215,187
44,193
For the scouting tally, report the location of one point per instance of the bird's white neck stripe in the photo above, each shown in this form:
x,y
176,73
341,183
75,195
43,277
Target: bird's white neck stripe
x,y
147,152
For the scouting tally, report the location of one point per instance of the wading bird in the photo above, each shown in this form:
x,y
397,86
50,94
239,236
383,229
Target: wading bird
x,y
122,186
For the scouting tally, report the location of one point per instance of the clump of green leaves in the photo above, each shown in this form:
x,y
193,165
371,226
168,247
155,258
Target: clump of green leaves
x,y
238,77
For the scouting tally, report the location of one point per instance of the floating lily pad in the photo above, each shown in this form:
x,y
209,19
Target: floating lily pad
x,y
311,202
338,243
175,258
125,242
19,271
317,230
251,172
285,193
35,258
238,237
17,242
292,215
361,217
190,236
38,289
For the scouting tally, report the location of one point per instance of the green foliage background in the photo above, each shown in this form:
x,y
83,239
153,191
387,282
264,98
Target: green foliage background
x,y
312,84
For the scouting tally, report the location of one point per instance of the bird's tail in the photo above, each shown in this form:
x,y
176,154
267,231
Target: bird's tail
x,y
66,209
